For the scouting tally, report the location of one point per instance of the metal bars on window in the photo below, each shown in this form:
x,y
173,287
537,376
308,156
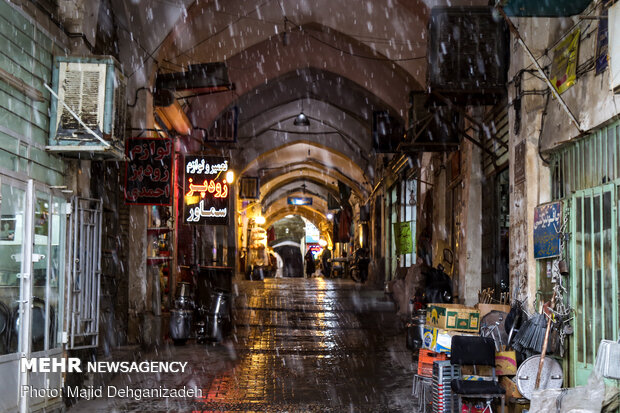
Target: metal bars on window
x,y
85,273
587,163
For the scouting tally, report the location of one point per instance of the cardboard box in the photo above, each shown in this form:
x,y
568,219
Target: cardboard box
x,y
453,317
506,363
439,340
487,308
511,388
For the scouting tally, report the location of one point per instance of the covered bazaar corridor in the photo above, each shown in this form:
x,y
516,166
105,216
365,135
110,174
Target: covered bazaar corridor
x,y
297,199
298,345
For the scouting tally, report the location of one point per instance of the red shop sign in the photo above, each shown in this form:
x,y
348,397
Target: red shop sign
x,y
148,174
206,192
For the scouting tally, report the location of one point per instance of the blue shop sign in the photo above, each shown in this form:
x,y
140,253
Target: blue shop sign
x,y
547,224
299,200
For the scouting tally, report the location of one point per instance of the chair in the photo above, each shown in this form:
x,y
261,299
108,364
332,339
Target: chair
x,y
476,351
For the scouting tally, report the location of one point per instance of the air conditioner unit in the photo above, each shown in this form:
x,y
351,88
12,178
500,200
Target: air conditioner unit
x,y
468,54
387,132
93,88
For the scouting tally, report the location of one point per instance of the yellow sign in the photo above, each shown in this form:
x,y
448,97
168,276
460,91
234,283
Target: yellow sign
x,y
403,238
564,66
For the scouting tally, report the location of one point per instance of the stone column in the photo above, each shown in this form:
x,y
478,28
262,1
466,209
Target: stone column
x,y
470,254
136,273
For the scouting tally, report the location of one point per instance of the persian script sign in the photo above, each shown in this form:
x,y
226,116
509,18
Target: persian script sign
x,y
205,199
547,223
148,177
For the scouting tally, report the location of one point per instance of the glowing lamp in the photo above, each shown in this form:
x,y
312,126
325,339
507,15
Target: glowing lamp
x,y
322,243
230,177
260,220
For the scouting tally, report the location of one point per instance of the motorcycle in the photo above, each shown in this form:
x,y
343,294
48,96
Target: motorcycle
x,y
438,286
359,266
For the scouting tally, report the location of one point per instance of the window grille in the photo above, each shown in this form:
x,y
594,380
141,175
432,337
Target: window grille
x,y
85,273
586,163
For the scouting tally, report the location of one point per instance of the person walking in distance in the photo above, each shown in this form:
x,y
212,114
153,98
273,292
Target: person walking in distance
x,y
309,258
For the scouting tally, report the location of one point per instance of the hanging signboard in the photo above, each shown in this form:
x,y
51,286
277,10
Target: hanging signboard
x,y
297,200
148,174
403,238
206,191
564,65
602,38
547,223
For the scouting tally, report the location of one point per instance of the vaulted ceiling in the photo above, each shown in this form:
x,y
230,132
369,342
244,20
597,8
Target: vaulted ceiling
x,y
341,61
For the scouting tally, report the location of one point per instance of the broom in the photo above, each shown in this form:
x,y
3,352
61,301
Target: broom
x,y
531,335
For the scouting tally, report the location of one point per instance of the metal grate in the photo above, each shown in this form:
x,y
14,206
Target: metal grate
x,y
81,92
224,129
85,273
587,163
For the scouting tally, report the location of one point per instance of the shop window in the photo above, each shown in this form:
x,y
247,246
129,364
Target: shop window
x,y
408,214
44,294
12,210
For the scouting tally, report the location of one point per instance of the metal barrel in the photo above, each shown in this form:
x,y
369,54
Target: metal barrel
x,y
180,324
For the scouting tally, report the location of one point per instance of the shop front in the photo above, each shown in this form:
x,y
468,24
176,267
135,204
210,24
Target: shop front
x,y
32,267
206,250
401,224
586,180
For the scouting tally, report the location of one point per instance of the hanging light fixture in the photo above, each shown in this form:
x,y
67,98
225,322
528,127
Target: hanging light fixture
x,y
285,38
301,119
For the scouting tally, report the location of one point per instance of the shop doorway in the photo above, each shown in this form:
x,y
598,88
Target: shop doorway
x,y
594,274
495,233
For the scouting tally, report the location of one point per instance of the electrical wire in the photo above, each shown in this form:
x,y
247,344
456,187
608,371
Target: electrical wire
x,y
380,58
255,9
542,124
135,101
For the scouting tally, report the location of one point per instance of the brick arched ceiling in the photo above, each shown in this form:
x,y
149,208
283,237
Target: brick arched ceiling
x,y
343,60
299,188
308,153
317,218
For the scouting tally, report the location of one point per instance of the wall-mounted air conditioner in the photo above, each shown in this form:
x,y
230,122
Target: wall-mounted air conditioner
x,y
468,53
614,47
88,110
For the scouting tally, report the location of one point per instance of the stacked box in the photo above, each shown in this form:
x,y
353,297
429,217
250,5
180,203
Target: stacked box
x,y
425,361
453,317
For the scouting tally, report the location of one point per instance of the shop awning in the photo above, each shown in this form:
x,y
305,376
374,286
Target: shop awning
x,y
544,8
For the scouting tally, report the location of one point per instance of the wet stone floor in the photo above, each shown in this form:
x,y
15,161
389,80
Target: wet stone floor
x,y
296,345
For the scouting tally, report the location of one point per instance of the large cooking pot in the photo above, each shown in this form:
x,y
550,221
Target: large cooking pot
x,y
551,376
184,299
5,328
215,315
180,325
415,330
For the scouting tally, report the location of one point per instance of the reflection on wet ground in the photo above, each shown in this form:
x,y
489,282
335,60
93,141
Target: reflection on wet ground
x,y
297,345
